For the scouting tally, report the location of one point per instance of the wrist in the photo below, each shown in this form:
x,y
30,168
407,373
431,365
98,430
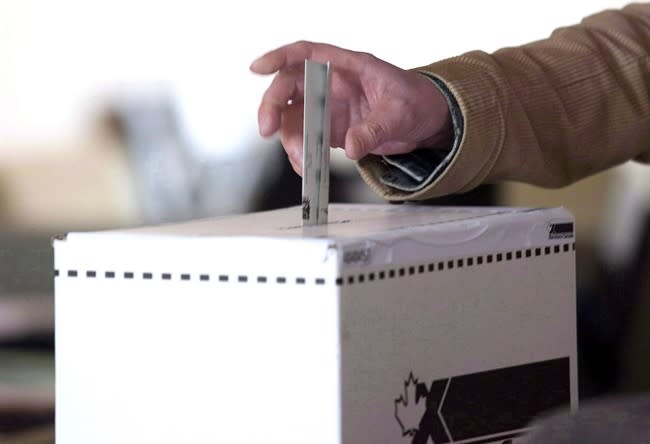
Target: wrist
x,y
448,116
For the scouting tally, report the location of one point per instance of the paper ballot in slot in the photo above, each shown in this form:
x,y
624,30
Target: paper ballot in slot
x,y
316,146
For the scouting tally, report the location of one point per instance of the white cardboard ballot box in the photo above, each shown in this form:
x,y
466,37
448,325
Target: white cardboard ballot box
x,y
391,324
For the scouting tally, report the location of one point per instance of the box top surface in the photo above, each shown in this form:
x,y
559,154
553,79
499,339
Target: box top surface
x,y
351,221
357,235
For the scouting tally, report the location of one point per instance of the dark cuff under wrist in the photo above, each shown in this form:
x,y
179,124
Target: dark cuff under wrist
x,y
415,170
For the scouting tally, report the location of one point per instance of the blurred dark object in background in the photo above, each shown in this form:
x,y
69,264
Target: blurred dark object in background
x,y
483,195
613,318
26,339
26,263
174,180
635,334
165,170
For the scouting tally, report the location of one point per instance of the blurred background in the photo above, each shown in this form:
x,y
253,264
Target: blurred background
x,y
124,113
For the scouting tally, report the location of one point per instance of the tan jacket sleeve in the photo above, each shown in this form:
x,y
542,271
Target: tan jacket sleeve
x,y
547,113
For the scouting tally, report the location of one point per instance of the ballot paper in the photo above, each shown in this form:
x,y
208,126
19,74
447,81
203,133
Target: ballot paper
x,y
316,147
395,324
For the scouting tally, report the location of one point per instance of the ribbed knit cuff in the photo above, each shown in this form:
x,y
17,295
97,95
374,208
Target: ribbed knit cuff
x,y
471,81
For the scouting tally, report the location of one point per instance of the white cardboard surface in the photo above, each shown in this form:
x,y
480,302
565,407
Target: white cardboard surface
x,y
254,329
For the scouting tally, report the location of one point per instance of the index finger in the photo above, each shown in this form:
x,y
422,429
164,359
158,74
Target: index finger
x,y
294,54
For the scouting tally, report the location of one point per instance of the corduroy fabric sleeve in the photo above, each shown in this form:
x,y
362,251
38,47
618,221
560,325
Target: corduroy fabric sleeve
x,y
547,113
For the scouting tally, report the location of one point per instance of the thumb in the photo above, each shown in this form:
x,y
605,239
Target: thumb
x,y
368,135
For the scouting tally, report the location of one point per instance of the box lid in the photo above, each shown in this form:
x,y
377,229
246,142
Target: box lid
x,y
357,236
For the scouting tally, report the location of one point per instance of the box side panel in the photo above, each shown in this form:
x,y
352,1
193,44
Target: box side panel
x,y
185,356
458,349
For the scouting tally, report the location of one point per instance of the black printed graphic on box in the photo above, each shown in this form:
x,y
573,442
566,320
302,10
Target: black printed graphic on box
x,y
560,231
485,407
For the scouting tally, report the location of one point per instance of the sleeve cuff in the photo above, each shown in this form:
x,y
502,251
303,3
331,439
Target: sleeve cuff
x,y
416,170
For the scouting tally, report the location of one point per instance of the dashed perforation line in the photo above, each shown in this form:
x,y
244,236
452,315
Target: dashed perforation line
x,y
456,263
353,279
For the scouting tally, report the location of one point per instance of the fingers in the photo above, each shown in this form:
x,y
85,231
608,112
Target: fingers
x,y
364,120
286,86
294,55
282,57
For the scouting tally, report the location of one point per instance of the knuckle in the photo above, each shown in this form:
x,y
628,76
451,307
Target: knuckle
x,y
376,132
365,58
303,45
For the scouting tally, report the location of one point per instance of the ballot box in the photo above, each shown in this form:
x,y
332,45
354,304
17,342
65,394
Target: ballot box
x,y
390,324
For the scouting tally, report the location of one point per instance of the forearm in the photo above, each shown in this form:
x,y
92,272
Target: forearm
x,y
550,112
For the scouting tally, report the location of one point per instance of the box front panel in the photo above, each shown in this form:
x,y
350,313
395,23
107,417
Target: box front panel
x,y
458,349
185,356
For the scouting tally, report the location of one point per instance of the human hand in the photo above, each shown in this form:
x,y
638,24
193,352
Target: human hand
x,y
376,108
